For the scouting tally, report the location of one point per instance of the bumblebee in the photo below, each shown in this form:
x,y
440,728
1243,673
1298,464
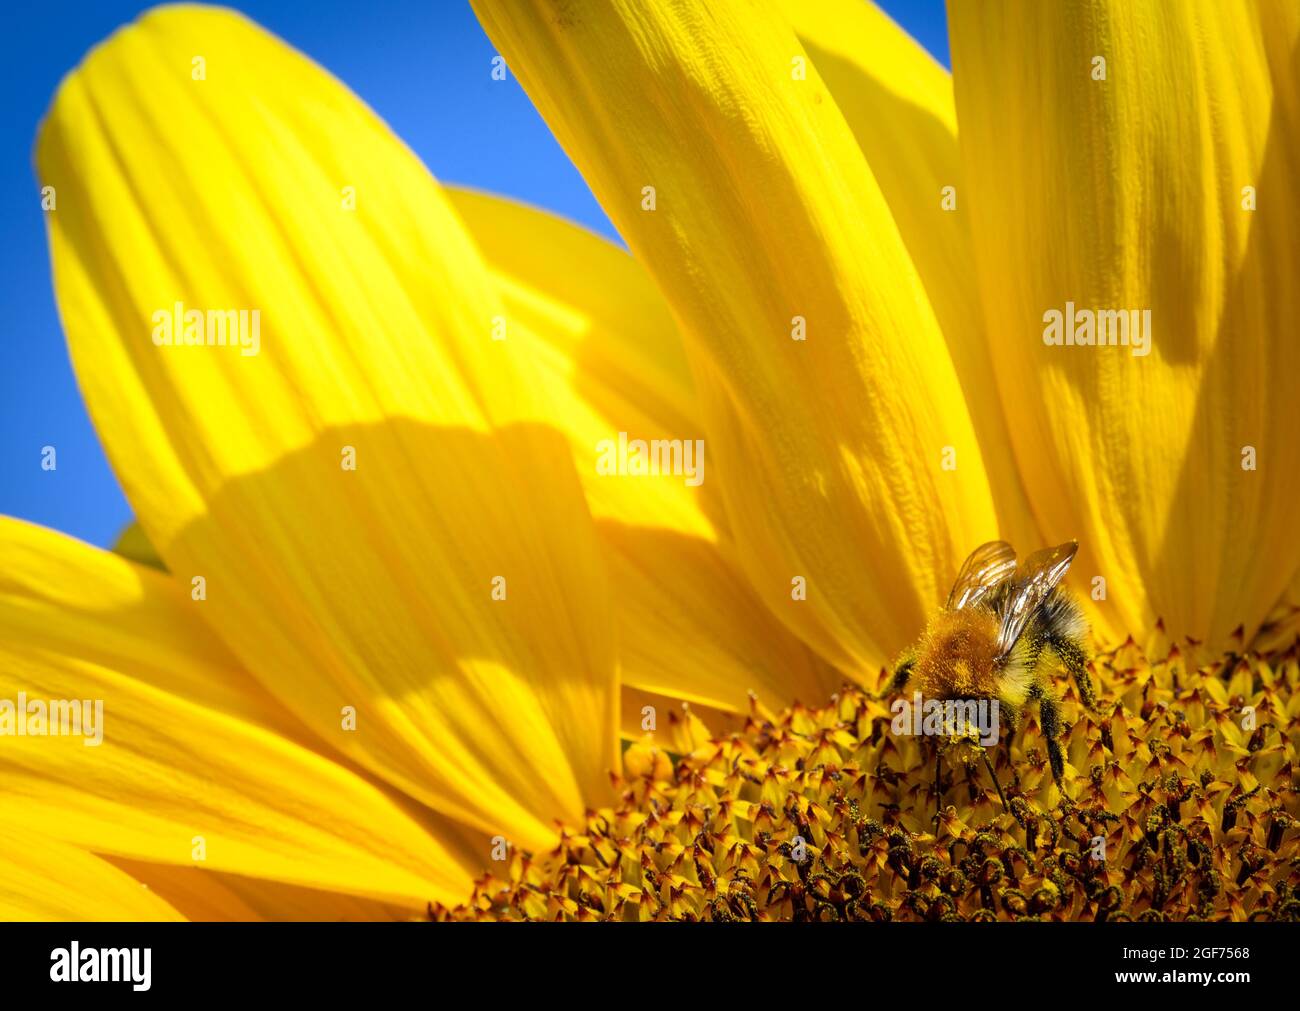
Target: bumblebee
x,y
1006,628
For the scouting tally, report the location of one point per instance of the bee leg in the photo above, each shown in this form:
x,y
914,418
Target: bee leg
x,y
1050,716
1010,715
994,776
1075,660
1061,626
938,786
901,673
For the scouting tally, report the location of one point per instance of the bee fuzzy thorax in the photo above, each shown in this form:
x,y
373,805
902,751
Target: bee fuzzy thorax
x,y
958,655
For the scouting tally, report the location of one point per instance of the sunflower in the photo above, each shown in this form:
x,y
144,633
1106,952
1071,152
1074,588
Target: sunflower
x,y
399,618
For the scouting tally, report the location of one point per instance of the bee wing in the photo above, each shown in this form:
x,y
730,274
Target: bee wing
x,y
988,567
1034,580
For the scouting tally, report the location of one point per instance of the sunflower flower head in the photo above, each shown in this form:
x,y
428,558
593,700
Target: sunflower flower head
x,y
1185,810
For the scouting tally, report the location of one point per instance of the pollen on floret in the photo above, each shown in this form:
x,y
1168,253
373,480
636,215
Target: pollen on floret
x,y
1182,807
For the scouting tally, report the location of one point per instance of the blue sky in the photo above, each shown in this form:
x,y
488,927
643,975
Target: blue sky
x,y
420,65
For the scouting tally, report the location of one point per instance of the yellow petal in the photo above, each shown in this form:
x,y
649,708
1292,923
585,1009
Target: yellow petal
x,y
651,718
829,450
692,627
898,102
1282,626
44,879
604,341
205,895
267,186
193,756
689,625
1107,150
